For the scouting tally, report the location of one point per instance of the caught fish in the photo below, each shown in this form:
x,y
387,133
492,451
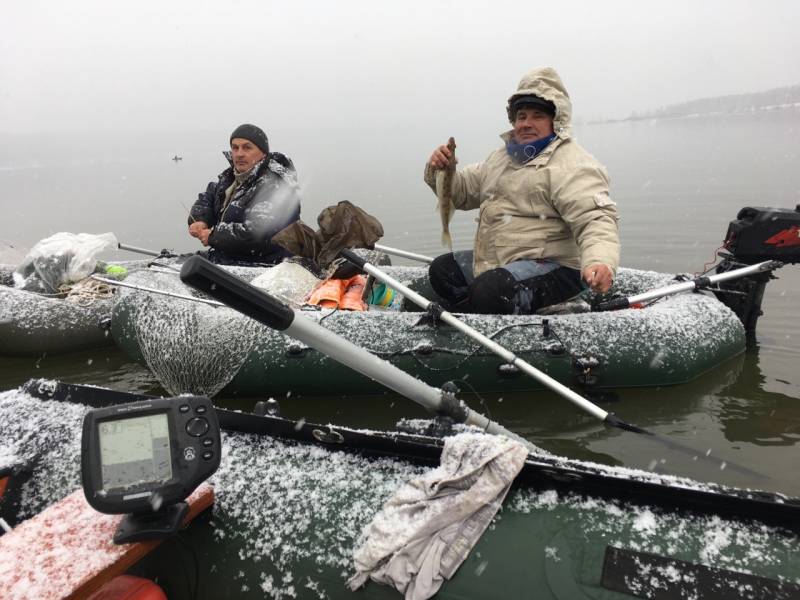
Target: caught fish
x,y
444,192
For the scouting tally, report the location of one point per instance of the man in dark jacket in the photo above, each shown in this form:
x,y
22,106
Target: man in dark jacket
x,y
250,202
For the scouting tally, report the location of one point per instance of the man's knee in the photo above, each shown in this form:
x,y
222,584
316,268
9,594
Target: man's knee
x,y
493,292
441,268
446,279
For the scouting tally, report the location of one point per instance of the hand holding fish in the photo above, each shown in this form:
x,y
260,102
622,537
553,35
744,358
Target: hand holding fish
x,y
441,157
444,186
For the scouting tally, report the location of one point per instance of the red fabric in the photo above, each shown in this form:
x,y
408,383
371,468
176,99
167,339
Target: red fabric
x,y
128,587
342,293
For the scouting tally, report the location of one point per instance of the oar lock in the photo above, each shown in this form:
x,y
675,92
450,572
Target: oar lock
x,y
267,408
584,366
450,406
328,437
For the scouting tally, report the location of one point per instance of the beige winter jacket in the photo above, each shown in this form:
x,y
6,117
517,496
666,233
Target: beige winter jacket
x,y
555,206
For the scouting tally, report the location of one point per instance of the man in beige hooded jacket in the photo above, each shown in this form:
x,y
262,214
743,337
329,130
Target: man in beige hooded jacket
x,y
546,219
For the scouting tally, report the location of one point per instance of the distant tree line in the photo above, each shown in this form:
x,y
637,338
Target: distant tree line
x,y
785,98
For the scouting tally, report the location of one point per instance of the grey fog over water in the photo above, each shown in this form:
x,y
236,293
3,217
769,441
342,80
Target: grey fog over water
x,y
97,98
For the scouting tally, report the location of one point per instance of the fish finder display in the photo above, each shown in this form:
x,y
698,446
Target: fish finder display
x,y
135,451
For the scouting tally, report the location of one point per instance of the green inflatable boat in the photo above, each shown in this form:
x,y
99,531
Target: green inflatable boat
x,y
33,324
293,500
199,348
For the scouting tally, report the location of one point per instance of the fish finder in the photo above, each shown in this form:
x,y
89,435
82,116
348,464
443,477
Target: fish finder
x,y
143,459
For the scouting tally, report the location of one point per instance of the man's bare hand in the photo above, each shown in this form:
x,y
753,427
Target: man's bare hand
x,y
599,277
440,157
197,227
203,236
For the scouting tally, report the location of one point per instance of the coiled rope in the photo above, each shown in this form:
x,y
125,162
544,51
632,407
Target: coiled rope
x,y
86,291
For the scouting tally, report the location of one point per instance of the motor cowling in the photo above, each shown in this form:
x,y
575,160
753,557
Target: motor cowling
x,y
762,233
756,235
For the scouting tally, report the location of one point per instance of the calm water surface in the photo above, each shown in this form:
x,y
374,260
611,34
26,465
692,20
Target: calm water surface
x,y
677,183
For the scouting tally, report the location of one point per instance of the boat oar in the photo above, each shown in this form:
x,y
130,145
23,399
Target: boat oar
x,y
257,304
404,253
606,417
490,344
689,286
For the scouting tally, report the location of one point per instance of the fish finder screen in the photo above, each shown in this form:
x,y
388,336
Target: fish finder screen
x,y
135,451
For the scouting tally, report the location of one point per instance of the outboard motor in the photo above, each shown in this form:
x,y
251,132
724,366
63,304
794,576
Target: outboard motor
x,y
757,234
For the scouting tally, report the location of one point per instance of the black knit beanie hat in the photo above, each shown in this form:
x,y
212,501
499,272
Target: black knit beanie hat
x,y
253,134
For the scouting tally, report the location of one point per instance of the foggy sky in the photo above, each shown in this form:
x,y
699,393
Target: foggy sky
x,y
95,65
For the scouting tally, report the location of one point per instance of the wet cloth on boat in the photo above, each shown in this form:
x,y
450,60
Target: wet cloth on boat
x,y
425,531
342,226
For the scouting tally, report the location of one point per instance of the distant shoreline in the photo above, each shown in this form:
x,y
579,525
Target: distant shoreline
x,y
752,111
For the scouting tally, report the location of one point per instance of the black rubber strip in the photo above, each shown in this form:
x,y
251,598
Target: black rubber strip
x,y
660,578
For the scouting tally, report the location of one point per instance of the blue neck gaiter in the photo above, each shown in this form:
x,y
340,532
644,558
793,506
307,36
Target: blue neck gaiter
x,y
522,153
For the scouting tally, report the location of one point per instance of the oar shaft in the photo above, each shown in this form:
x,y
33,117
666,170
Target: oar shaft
x,y
687,286
404,253
487,342
257,304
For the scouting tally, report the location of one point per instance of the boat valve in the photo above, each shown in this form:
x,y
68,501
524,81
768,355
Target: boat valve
x,y
424,348
508,370
296,349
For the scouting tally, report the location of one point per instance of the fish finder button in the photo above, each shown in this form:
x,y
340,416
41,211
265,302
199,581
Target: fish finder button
x,y
184,408
200,410
197,426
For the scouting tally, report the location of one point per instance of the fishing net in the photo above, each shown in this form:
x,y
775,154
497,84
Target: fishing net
x,y
191,347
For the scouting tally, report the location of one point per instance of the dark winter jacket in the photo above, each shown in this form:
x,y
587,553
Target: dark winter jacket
x,y
262,205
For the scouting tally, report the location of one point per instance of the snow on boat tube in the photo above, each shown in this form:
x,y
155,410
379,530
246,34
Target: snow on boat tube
x,y
289,514
32,324
198,348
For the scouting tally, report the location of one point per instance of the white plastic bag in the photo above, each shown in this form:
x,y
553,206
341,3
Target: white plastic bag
x,y
62,258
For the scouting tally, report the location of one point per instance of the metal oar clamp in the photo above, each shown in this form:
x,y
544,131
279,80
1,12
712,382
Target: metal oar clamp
x,y
699,283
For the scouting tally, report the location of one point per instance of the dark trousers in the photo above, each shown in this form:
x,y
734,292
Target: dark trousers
x,y
521,287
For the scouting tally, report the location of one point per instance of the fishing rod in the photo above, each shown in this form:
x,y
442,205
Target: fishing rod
x,y
606,417
239,295
163,254
142,288
698,283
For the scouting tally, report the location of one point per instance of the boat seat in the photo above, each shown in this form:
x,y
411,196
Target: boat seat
x,y
66,551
